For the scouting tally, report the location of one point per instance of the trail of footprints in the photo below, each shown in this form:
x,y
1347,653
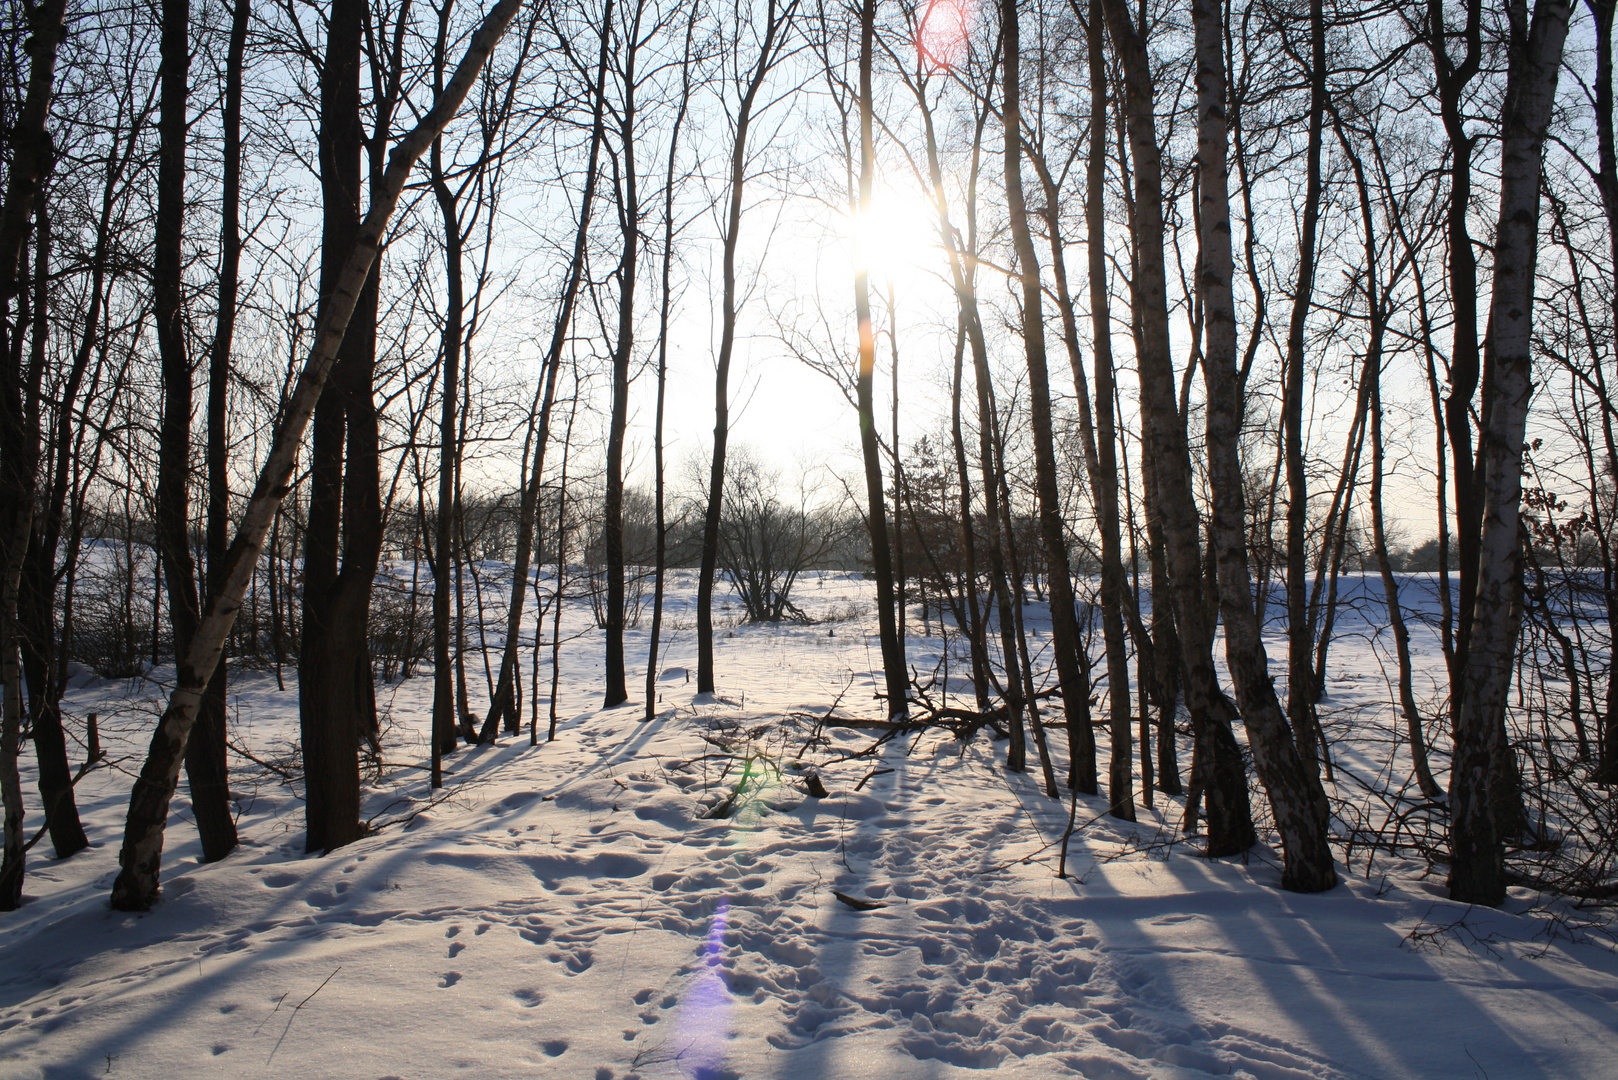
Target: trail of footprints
x,y
971,982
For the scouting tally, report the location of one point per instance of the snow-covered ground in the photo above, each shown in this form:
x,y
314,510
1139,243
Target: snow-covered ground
x,y
570,910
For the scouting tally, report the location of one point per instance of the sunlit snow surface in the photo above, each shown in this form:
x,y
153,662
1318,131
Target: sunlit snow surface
x,y
571,910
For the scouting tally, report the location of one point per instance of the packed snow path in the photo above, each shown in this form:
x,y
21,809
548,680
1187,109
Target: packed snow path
x,y
571,911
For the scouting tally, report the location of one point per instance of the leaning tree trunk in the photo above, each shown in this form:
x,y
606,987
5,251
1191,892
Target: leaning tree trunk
x,y
1301,813
141,856
1480,812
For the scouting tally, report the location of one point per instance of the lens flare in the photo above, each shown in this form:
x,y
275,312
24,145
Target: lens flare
x,y
942,34
704,1019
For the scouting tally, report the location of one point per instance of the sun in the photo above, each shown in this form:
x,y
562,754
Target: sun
x,y
896,240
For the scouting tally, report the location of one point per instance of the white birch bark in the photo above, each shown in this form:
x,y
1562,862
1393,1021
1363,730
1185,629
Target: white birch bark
x,y
1477,843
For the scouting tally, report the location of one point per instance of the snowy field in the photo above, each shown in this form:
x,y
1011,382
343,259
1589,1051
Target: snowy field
x,y
571,910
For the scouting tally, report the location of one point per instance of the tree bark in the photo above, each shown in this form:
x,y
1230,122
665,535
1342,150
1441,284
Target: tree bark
x,y
1606,765
337,587
1104,484
616,691
206,761
1480,812
1464,363
445,728
664,312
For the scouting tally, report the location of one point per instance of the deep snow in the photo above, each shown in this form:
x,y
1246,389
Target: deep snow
x,y
568,910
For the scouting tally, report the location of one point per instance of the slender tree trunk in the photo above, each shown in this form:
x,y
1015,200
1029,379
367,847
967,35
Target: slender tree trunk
x,y
562,527
545,396
664,311
205,765
1481,812
41,664
1465,355
141,856
205,757
1390,590
1075,688
46,624
778,16
895,677
1606,766
967,332
1300,668
445,728
617,690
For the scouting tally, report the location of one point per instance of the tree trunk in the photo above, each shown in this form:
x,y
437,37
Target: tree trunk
x,y
141,856
1300,667
210,798
1075,688
969,332
1230,822
616,691
1464,366
335,598
539,412
1104,486
664,311
1296,798
206,762
1480,812
445,728
41,664
895,677
777,17
1606,765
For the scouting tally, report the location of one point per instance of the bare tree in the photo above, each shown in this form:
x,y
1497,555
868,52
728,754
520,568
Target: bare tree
x,y
1167,459
141,856
774,41
19,416
1075,687
1482,813
1299,804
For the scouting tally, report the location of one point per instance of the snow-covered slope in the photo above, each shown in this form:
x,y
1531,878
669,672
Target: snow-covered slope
x,y
570,910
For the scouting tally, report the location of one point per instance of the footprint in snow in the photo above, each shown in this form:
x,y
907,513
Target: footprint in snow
x,y
450,978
